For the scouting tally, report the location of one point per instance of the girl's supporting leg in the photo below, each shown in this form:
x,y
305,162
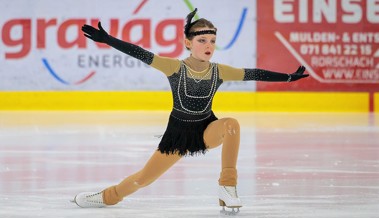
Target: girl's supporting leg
x,y
225,131
154,168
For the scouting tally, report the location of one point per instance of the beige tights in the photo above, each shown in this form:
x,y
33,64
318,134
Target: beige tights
x,y
224,131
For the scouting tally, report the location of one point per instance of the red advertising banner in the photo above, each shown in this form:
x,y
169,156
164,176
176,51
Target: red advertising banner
x,y
336,40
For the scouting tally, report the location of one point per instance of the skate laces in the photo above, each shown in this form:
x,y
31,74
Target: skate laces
x,y
95,198
232,190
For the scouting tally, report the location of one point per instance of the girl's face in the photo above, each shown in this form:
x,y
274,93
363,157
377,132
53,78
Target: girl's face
x,y
202,46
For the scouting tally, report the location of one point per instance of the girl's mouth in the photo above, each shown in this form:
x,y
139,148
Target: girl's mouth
x,y
207,53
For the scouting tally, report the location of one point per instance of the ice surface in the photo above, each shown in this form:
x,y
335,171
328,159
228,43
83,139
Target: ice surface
x,y
290,165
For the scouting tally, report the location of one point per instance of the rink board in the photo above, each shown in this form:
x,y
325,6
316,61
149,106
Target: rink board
x,y
161,100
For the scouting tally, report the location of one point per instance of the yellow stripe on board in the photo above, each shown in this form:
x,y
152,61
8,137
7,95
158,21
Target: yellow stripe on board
x,y
293,101
161,100
376,102
78,100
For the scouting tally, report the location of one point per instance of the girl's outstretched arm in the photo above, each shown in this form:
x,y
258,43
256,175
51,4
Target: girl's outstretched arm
x,y
244,74
166,65
270,76
100,35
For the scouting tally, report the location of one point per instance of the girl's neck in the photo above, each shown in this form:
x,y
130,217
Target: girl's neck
x,y
196,64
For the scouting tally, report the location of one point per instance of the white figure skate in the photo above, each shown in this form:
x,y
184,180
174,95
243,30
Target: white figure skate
x,y
228,198
89,200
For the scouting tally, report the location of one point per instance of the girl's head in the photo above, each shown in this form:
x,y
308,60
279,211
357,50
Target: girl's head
x,y
200,37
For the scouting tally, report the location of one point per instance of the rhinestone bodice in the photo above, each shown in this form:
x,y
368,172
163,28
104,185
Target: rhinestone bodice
x,y
194,95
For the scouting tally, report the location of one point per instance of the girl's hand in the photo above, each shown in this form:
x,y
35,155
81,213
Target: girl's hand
x,y
97,35
299,74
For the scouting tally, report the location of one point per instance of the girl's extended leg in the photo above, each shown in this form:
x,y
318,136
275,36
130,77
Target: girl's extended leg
x,y
154,168
225,131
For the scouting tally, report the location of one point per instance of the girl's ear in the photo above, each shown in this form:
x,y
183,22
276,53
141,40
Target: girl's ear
x,y
187,43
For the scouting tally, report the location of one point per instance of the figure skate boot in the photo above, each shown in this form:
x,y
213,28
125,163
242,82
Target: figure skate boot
x,y
89,200
228,198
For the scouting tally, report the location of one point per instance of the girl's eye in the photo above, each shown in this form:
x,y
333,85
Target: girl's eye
x,y
213,41
201,40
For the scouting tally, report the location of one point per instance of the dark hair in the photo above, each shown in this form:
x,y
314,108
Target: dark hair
x,y
191,27
200,23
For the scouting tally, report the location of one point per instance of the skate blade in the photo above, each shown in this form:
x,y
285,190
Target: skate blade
x,y
74,201
230,213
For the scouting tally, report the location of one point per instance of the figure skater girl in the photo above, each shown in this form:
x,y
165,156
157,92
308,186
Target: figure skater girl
x,y
192,128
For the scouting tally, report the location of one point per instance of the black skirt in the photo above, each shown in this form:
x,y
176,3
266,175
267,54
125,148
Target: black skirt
x,y
184,133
